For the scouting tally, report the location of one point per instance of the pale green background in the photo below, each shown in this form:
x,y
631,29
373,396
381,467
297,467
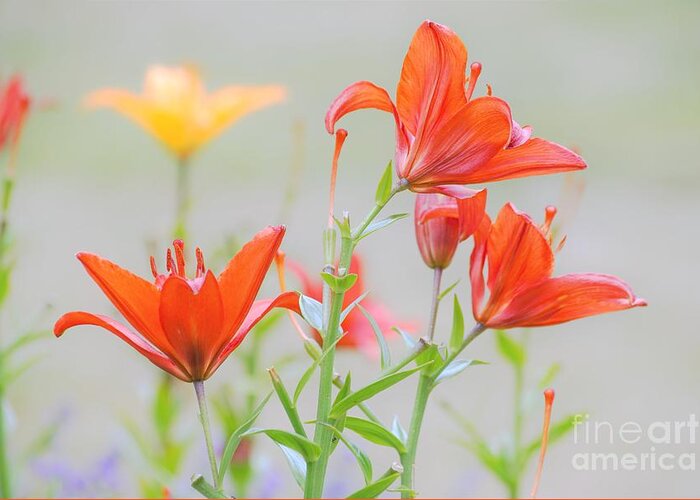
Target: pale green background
x,y
618,80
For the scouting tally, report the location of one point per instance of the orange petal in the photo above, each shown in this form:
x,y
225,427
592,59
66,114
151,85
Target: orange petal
x,y
566,298
534,157
287,300
193,321
471,212
518,255
135,298
431,88
437,228
359,95
156,357
456,152
476,264
242,278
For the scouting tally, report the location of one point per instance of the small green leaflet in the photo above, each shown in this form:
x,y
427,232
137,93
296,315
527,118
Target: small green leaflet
x,y
385,354
380,224
457,335
370,390
384,187
374,433
362,459
378,487
339,284
311,311
305,447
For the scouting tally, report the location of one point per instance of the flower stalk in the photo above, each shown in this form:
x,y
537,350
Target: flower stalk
x,y
206,426
332,309
426,383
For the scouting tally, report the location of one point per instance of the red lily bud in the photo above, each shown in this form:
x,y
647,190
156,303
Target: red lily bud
x,y
442,222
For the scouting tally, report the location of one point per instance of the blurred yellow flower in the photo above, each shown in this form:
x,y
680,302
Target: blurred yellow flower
x,y
177,110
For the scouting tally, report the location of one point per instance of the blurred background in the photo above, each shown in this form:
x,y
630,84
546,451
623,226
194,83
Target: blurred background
x,y
617,80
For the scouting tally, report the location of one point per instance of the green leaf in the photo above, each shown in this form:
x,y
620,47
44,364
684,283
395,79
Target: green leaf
x,y
339,284
431,355
362,459
398,430
5,275
374,433
457,367
457,335
447,290
289,407
378,487
556,431
21,341
296,464
385,354
309,372
549,376
407,339
307,448
351,306
380,224
235,439
311,311
510,349
384,187
344,226
370,390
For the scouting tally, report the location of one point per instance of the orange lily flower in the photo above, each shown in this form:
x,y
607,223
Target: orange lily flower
x,y
523,292
176,109
14,104
358,331
442,222
443,136
186,326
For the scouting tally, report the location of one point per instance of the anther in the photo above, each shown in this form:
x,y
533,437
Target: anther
x,y
489,90
154,268
180,256
549,214
169,262
474,72
200,262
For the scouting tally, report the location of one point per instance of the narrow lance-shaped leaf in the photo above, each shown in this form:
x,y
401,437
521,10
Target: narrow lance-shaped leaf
x,y
457,367
381,224
312,312
296,464
307,448
351,306
398,430
407,339
374,433
370,390
510,348
363,460
306,376
457,335
235,439
384,187
447,290
378,487
385,354
289,407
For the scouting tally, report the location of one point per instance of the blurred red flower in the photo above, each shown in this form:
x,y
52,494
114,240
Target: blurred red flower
x,y
442,222
358,330
523,292
443,136
187,327
14,104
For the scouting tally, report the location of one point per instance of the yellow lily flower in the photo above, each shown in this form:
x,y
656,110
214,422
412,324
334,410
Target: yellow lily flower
x,y
175,107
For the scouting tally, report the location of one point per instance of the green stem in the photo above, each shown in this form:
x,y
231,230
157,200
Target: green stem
x,y
426,383
206,426
7,190
437,278
182,205
323,435
514,488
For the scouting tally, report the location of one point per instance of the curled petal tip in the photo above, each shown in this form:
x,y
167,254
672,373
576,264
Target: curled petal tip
x,y
549,395
639,302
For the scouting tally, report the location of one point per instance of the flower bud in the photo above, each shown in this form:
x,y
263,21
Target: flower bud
x,y
437,235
